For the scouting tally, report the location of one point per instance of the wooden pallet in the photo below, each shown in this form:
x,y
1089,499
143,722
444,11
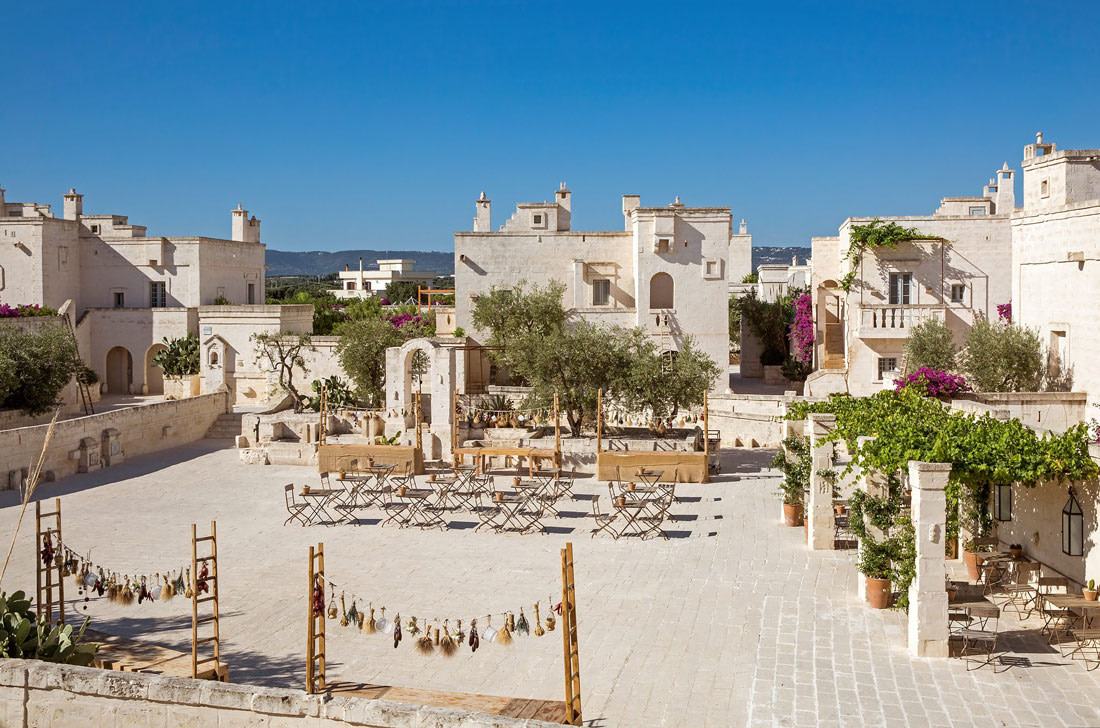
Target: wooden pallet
x,y
552,711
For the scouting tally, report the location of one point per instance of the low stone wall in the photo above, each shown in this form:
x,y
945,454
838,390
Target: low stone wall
x,y
1056,411
89,443
36,693
750,420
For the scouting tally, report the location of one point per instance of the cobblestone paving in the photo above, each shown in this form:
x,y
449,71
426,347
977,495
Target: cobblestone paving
x,y
731,622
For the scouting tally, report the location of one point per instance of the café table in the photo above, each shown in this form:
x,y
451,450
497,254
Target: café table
x,y
421,512
321,499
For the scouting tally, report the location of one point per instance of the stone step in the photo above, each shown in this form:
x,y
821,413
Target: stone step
x,y
226,427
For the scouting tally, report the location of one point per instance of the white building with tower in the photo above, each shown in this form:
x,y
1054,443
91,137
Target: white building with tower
x,y
666,271
129,290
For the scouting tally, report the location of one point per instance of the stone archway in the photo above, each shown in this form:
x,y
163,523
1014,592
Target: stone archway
x,y
154,375
417,373
120,370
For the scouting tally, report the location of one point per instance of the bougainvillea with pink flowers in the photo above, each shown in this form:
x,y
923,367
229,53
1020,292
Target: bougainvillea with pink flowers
x,y
802,330
934,383
26,309
1004,312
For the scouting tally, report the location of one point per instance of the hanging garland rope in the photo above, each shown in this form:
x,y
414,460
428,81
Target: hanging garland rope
x,y
116,585
428,637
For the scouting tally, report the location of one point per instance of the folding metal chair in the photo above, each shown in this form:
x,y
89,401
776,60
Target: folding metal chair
x,y
603,520
1055,619
1022,589
295,509
981,638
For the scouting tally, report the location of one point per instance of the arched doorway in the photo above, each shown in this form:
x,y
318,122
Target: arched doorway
x,y
120,370
830,315
418,378
661,291
154,375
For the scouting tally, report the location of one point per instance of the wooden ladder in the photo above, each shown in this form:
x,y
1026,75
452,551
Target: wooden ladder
x,y
569,638
81,385
219,671
315,633
51,585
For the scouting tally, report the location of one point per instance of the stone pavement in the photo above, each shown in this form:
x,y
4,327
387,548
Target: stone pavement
x,y
731,622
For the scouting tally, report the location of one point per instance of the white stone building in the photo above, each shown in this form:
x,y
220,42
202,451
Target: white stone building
x,y
1056,259
666,271
860,335
365,283
130,290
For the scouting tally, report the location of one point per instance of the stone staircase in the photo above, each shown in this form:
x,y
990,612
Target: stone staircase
x,y
226,427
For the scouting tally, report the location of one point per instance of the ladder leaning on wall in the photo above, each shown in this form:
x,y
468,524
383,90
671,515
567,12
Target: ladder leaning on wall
x,y
81,383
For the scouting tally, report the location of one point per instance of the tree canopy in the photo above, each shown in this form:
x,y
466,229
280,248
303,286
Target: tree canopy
x,y
35,366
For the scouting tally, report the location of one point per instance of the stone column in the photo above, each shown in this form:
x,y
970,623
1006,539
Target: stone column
x,y
819,510
928,629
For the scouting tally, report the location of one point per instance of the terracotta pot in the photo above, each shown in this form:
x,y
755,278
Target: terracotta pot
x,y
498,497
431,477
973,563
878,592
1090,594
792,514
1016,553
631,486
516,481
952,548
840,510
402,490
305,489
952,594
621,501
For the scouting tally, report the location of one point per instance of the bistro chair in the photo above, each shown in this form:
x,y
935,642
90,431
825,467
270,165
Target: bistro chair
x,y
980,640
295,509
1055,619
1021,588
603,521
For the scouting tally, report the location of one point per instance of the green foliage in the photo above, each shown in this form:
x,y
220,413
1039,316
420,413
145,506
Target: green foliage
x,y
661,384
1002,357
362,355
363,309
282,289
419,367
735,323
930,344
383,440
22,635
337,394
179,357
222,301
771,323
282,354
496,403
402,291
795,461
750,278
35,365
87,376
460,332
876,234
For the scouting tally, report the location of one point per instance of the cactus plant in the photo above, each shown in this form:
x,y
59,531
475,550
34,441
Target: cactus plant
x,y
22,635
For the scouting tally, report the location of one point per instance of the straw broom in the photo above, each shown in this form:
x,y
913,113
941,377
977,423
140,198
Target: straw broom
x,y
32,485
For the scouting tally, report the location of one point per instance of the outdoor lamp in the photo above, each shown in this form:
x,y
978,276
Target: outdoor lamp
x,y
1072,527
1002,502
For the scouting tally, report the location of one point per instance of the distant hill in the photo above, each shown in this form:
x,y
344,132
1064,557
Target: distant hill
x,y
774,256
322,262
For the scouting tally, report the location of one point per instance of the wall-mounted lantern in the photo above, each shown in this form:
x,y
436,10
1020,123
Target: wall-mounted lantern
x,y
1073,527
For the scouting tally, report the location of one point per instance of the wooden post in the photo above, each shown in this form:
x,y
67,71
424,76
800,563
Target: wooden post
x,y
569,635
416,409
324,405
599,420
557,431
706,440
315,632
49,579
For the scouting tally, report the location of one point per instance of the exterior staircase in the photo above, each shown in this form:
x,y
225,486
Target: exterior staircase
x,y
226,427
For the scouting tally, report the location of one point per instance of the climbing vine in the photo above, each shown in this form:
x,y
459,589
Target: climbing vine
x,y
876,234
983,452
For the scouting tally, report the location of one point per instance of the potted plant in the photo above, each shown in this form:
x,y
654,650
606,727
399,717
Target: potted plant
x,y
794,461
952,591
1090,592
874,564
1016,550
976,520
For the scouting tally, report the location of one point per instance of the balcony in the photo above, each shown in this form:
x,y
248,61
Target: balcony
x,y
894,321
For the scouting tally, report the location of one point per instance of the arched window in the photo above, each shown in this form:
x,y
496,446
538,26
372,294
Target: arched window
x,y
661,291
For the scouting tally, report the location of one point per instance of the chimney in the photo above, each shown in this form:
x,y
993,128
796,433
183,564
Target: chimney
x,y
744,230
245,230
483,220
74,204
564,198
630,203
2,210
794,260
1005,201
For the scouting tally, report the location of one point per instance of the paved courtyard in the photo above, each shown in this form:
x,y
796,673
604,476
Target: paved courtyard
x,y
731,622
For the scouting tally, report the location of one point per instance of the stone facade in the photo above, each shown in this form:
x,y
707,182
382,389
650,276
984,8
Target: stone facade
x,y
667,271
1056,259
862,332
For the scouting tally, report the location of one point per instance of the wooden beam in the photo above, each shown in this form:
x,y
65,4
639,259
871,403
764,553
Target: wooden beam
x,y
599,419
706,440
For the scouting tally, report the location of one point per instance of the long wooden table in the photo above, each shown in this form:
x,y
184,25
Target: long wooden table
x,y
124,654
552,711
534,456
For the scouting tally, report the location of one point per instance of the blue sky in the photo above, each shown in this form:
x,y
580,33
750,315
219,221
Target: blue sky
x,y
376,125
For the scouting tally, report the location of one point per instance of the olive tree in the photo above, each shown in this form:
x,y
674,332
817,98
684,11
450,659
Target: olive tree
x,y
1002,357
35,366
281,354
931,344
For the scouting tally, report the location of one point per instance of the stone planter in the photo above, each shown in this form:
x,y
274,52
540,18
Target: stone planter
x,y
792,514
878,592
951,548
973,563
181,387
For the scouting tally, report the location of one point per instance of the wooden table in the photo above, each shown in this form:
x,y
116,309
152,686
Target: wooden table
x,y
479,454
321,500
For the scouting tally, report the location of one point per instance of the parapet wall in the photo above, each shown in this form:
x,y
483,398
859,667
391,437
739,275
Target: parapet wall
x,y
36,693
89,443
